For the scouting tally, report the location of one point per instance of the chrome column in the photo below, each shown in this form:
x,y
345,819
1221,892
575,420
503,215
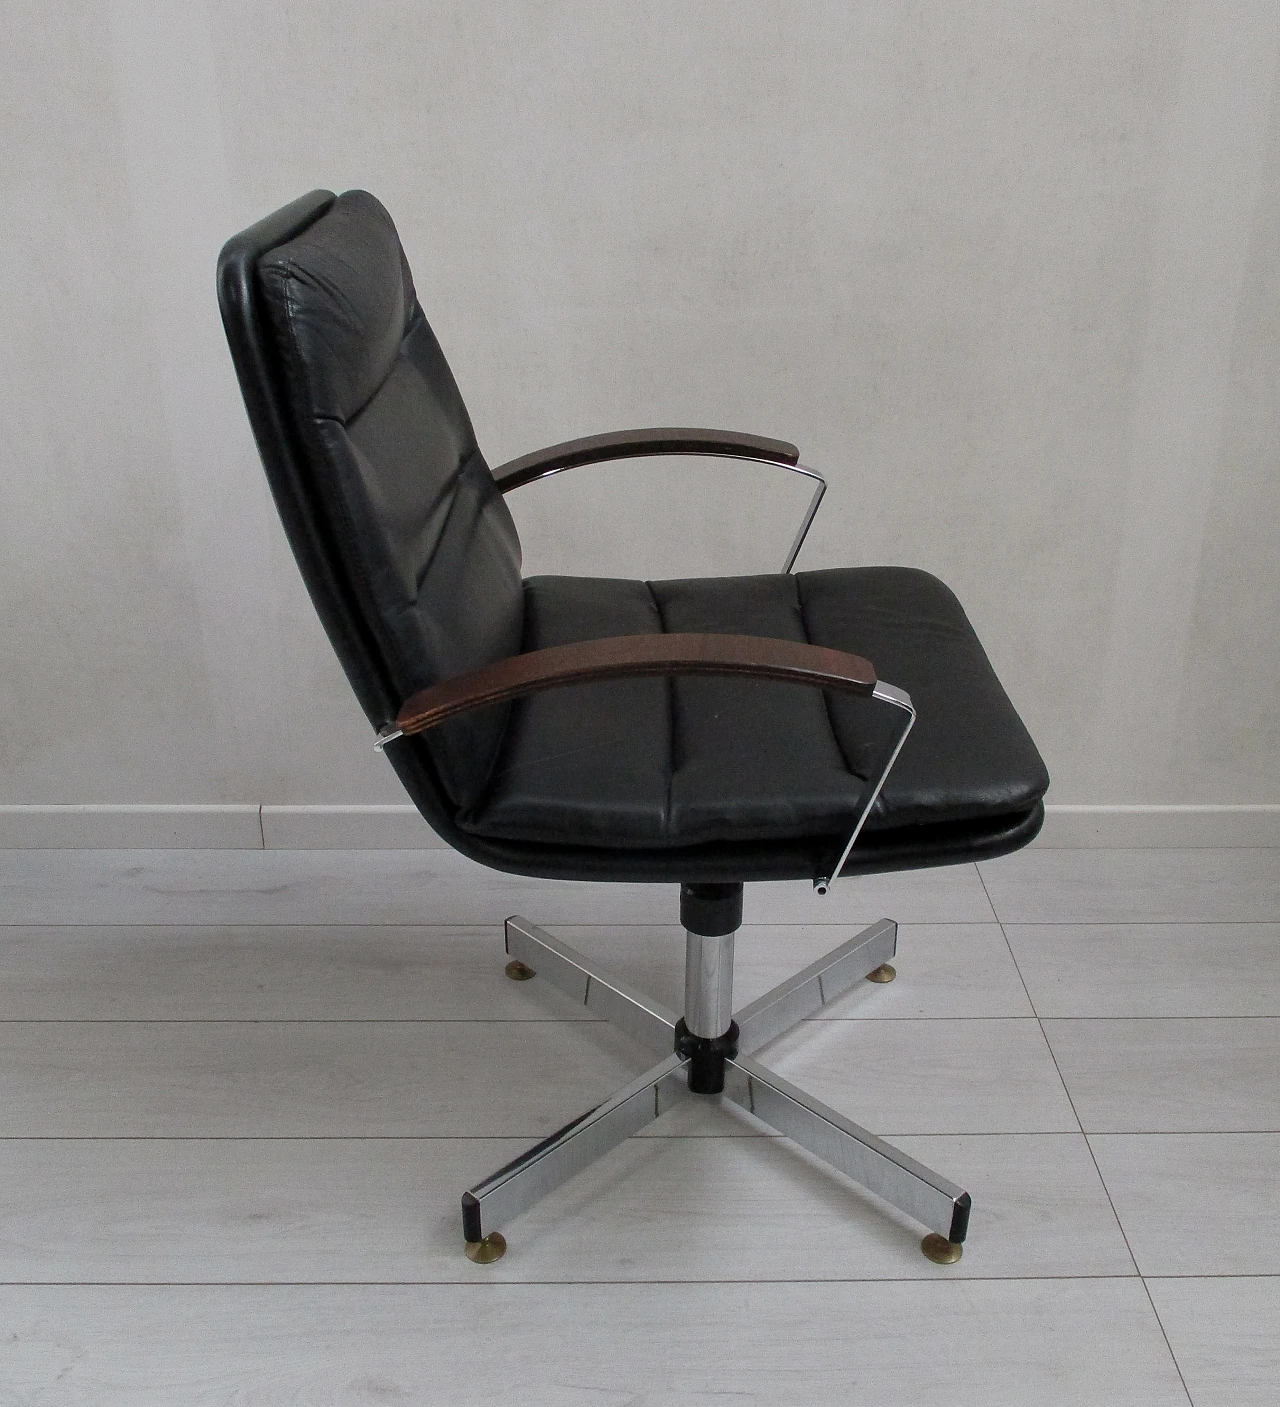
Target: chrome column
x,y
708,983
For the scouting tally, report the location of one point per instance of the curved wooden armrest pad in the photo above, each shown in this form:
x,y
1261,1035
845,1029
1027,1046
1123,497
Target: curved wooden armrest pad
x,y
623,656
631,444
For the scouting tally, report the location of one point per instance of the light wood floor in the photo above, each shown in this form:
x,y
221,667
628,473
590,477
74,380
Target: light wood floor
x,y
241,1092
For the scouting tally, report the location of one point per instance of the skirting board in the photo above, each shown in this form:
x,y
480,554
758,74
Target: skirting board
x,y
253,827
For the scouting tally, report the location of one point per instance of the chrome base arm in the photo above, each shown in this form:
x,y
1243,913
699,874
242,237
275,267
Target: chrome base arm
x,y
516,1187
878,1166
801,996
891,1175
646,1021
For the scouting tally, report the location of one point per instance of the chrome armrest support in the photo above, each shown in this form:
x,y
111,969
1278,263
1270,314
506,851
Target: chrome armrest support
x,y
810,513
898,698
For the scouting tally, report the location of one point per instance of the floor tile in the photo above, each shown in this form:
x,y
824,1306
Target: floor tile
x,y
292,886
247,1067
900,1077
1196,1203
1225,1335
128,972
339,1210
416,886
1157,969
160,972
1135,886
913,1344
305,1079
1165,1075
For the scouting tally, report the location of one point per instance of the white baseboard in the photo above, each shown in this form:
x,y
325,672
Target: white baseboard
x,y
347,828
1159,827
130,827
252,827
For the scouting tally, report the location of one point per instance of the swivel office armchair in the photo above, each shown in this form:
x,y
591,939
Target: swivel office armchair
x,y
699,733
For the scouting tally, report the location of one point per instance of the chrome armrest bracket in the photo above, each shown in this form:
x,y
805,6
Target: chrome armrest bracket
x,y
810,513
898,698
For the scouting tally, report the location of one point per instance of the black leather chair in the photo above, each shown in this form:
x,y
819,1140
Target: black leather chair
x,y
703,733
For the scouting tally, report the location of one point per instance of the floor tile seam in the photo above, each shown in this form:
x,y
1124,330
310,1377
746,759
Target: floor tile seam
x,y
1110,1201
1183,1133
1091,923
917,1279
495,926
520,1137
476,927
1164,1335
1133,1260
1250,1016
1146,1016
589,1021
1016,966
526,1020
468,929
1214,1275
991,904
470,1137
923,1278
1177,1133
1124,1235
1204,921
986,894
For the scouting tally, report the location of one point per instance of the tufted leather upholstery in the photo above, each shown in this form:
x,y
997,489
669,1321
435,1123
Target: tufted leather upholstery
x,y
413,562
653,762
426,539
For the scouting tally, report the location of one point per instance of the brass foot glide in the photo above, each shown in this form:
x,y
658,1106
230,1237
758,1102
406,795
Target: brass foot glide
x,y
941,1251
711,1032
485,1252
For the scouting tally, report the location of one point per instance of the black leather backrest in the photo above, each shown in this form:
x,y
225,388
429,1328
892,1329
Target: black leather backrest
x,y
404,540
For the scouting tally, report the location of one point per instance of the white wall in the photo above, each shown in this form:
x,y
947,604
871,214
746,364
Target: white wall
x,y
1009,273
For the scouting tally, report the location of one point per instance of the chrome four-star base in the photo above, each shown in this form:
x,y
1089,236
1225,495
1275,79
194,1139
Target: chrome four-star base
x,y
899,1180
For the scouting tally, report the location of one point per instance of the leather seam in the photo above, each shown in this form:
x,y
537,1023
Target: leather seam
x,y
826,701
362,586
485,786
346,420
670,684
293,270
360,578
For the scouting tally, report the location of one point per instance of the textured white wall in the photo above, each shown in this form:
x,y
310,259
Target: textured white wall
x,y
1008,273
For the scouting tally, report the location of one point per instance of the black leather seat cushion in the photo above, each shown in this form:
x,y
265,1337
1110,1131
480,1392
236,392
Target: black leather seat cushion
x,y
654,763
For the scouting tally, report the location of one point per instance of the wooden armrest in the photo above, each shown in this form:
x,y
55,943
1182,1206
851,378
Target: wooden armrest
x,y
623,656
632,444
